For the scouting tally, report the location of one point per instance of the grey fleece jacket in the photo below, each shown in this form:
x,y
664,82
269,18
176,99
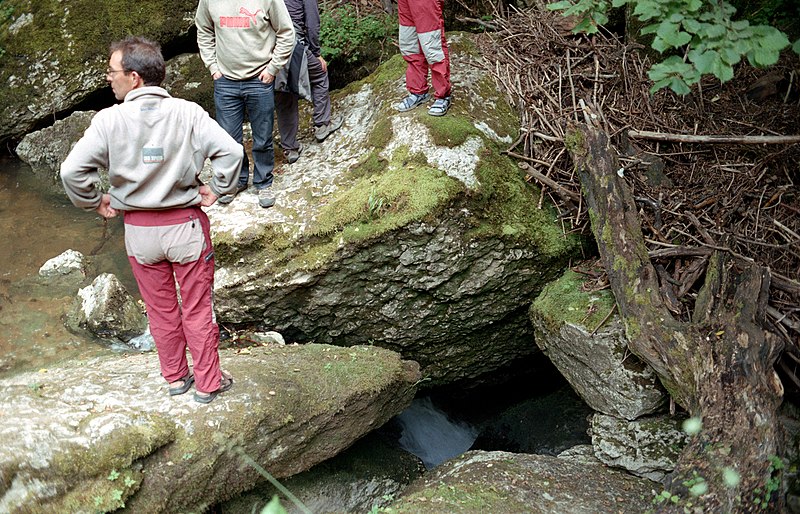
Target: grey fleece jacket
x,y
243,37
154,147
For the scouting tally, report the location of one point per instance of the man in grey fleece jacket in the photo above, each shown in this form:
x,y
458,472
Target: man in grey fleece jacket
x,y
244,43
154,147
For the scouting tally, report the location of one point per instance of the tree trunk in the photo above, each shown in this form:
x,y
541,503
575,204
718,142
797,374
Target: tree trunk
x,y
719,366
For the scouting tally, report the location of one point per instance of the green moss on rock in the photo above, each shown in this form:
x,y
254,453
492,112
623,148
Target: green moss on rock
x,y
565,301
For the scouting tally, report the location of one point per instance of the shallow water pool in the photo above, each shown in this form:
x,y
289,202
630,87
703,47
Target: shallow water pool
x,y
37,222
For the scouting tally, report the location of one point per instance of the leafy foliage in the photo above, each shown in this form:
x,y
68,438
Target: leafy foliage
x,y
343,32
700,37
6,11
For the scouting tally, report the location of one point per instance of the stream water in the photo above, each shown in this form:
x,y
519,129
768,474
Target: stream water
x,y
37,223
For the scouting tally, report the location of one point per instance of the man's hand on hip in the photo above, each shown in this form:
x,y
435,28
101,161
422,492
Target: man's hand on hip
x,y
104,209
207,196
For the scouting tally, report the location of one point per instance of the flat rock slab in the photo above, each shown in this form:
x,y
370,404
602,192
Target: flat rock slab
x,y
483,482
103,434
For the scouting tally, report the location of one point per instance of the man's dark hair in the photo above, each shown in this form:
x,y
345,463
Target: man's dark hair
x,y
142,56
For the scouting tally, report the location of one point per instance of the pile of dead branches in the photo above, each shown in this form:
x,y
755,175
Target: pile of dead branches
x,y
718,169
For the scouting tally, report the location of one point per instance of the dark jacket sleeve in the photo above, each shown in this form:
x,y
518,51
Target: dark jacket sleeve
x,y
312,26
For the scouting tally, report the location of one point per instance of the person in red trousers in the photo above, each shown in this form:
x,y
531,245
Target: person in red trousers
x,y
423,46
154,147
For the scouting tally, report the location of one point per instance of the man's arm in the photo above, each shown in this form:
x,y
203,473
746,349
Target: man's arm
x,y
206,37
79,171
224,153
284,29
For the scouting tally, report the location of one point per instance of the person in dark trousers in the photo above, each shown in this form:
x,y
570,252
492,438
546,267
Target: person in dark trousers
x,y
154,147
244,44
424,47
305,17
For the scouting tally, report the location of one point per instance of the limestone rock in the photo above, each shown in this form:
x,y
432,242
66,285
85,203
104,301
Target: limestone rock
x,y
102,434
580,454
56,55
45,150
106,309
598,365
399,230
509,482
69,263
647,447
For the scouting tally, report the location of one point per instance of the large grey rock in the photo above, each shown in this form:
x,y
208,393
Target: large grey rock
x,y
509,482
56,53
102,434
402,230
647,447
106,309
45,150
596,362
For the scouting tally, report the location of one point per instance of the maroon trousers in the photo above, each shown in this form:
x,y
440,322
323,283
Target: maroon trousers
x,y
162,246
423,46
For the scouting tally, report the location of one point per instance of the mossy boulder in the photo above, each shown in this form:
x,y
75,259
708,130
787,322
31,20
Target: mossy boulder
x,y
477,482
54,53
409,231
103,434
582,335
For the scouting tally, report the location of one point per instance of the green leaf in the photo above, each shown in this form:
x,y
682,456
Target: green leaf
x,y
586,26
557,6
705,61
273,507
760,57
771,38
694,5
693,26
619,3
730,55
698,489
715,31
740,25
646,10
796,47
730,477
649,29
671,34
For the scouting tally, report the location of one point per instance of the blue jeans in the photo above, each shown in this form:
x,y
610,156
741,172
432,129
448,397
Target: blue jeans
x,y
231,99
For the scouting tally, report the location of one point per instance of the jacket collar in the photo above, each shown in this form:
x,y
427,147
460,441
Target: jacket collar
x,y
139,92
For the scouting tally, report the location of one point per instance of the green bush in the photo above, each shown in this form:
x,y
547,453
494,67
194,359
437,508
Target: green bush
x,y
343,33
698,37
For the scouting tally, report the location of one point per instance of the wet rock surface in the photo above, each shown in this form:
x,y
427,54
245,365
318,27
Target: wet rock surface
x,y
510,482
104,433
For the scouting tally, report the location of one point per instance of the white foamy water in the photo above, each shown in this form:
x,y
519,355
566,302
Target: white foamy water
x,y
431,435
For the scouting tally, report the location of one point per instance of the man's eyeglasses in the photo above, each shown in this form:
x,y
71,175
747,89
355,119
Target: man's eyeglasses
x,y
109,71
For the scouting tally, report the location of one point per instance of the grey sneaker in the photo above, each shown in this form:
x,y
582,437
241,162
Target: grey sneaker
x,y
226,199
411,101
324,131
293,155
440,106
265,197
